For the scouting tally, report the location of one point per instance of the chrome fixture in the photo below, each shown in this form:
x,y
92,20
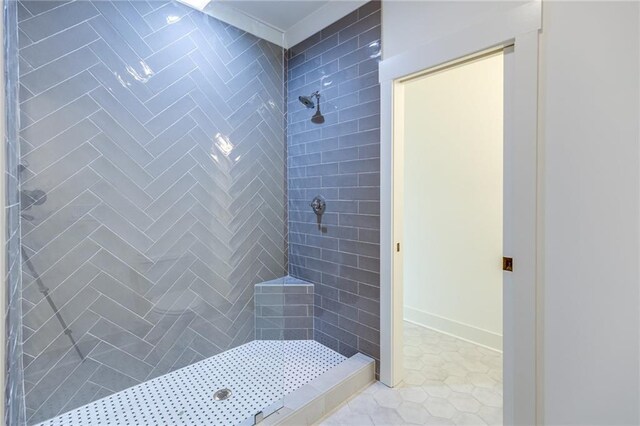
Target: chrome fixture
x,y
222,394
318,205
307,101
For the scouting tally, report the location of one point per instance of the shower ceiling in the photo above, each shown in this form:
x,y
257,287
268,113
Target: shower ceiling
x,y
285,23
196,4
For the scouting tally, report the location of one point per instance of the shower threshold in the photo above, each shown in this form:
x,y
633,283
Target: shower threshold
x,y
258,373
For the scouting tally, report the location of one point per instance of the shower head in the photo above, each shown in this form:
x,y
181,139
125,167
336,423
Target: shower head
x,y
308,100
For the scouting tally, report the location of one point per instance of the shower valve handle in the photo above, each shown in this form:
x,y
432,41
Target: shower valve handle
x,y
318,205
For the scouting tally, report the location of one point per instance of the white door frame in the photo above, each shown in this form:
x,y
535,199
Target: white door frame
x,y
518,27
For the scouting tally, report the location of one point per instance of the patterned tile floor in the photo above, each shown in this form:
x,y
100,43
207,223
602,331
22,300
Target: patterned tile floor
x,y
259,373
448,382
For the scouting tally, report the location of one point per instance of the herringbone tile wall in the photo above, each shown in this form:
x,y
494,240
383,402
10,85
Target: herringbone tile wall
x,y
341,161
157,134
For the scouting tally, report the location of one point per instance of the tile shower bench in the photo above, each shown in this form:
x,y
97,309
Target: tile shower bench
x,y
284,309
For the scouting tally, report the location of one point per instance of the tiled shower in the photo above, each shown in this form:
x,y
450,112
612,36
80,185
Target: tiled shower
x,y
341,161
165,170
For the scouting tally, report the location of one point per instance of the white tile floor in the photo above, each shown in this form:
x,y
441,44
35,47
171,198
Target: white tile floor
x,y
259,373
448,382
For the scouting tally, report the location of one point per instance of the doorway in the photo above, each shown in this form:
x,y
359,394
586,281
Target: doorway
x,y
453,200
516,31
450,215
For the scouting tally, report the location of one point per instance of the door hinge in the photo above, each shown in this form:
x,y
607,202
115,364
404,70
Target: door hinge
x,y
507,264
397,247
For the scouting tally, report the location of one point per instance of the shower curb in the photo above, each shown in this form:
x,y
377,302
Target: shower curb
x,y
311,402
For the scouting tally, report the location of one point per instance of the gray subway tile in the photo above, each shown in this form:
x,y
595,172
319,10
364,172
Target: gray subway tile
x,y
360,330
43,311
111,379
109,11
120,361
58,96
121,316
59,70
120,293
110,196
361,26
162,121
58,45
121,115
368,348
368,305
52,125
117,156
122,182
361,275
360,193
360,166
134,79
346,48
369,291
369,8
369,235
296,299
368,69
344,130
369,179
33,8
121,137
120,91
120,338
44,155
339,258
322,46
74,235
370,36
67,264
58,223
57,19
360,220
170,33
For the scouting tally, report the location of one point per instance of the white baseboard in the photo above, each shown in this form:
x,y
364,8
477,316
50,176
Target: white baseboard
x,y
453,328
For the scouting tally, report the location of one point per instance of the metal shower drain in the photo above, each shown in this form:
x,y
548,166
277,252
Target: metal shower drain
x,y
222,394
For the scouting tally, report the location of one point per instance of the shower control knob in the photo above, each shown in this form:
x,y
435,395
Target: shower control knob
x,y
318,205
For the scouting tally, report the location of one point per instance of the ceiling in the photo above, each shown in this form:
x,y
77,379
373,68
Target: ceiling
x,y
282,22
278,14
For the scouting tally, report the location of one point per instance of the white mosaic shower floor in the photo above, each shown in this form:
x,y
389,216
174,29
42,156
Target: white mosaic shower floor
x,y
258,373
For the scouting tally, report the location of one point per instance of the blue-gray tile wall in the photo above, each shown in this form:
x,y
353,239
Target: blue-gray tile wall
x,y
284,309
340,161
157,134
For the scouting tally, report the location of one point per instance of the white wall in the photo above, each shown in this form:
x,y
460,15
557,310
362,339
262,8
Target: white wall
x,y
589,133
590,115
410,23
453,201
